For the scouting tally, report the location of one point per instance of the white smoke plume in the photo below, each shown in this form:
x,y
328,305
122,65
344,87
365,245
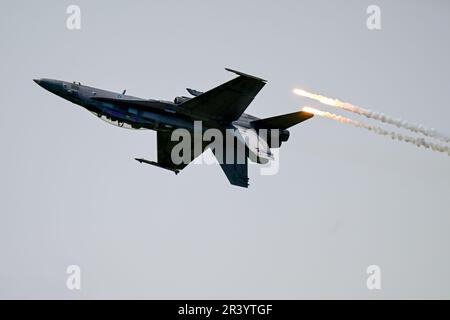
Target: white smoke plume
x,y
417,128
419,142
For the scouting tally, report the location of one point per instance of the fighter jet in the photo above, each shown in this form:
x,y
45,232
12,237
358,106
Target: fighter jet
x,y
221,108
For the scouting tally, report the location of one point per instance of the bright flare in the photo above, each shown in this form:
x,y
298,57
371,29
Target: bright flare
x,y
419,142
322,99
374,115
314,111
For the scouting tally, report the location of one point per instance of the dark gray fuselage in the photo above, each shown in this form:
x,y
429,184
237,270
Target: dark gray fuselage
x,y
151,114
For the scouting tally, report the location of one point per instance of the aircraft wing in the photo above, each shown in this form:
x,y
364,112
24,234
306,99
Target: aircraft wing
x,y
165,146
236,171
228,101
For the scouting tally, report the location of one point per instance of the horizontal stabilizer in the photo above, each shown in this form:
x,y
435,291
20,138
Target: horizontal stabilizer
x,y
282,122
236,173
233,162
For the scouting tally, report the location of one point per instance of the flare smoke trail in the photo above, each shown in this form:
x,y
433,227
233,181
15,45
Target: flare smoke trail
x,y
432,133
419,142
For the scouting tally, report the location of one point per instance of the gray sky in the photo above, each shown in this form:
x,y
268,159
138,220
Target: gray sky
x,y
343,199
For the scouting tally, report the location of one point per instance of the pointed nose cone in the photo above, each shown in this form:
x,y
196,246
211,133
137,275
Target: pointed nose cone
x,y
40,82
54,86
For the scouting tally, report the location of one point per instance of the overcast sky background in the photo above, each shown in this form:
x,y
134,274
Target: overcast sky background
x,y
343,199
